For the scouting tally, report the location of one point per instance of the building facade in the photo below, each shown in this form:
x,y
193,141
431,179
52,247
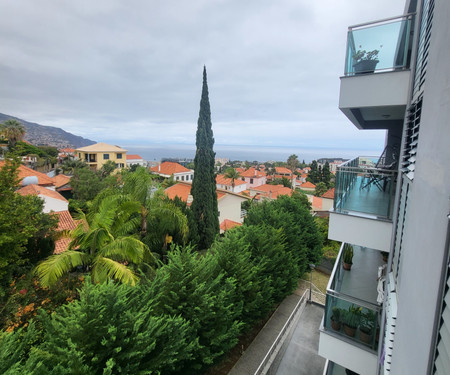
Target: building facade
x,y
393,317
100,153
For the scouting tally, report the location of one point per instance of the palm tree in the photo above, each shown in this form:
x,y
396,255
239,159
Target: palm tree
x,y
69,165
233,174
14,131
103,244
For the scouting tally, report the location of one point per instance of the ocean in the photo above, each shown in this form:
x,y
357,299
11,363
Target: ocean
x,y
155,152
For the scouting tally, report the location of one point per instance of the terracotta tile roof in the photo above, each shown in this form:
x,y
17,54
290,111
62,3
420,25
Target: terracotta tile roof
x,y
240,170
308,184
329,194
252,172
43,179
169,168
66,150
101,147
282,170
316,203
307,168
222,180
65,222
133,157
182,190
273,191
60,180
39,190
228,224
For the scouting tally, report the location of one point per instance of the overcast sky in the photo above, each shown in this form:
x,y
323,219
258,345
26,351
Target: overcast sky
x,y
130,72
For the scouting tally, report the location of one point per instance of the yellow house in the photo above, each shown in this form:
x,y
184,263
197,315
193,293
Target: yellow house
x,y
98,154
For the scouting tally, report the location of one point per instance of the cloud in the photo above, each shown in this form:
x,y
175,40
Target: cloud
x,y
131,71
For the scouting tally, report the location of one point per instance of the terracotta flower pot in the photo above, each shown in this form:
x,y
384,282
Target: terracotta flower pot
x,y
336,325
349,331
347,266
365,337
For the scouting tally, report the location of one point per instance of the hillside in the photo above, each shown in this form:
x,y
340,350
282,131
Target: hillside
x,y
38,134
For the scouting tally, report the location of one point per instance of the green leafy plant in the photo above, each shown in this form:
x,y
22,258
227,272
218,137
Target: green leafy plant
x,y
348,254
363,55
352,316
367,322
336,314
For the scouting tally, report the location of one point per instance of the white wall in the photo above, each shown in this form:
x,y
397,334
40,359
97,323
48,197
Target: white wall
x,y
230,208
52,204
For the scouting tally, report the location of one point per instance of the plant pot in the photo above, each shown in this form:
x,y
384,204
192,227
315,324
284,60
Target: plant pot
x,y
336,325
349,331
347,266
365,66
365,337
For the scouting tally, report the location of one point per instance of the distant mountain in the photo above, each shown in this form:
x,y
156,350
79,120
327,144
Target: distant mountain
x,y
38,134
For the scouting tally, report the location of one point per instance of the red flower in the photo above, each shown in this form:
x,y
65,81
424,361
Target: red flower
x,y
23,291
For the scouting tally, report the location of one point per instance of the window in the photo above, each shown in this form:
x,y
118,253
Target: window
x,y
251,180
79,155
176,178
119,156
182,178
105,156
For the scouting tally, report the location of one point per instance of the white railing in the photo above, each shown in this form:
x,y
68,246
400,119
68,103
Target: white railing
x,y
273,351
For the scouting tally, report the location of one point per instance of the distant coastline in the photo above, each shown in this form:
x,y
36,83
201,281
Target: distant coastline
x,y
156,152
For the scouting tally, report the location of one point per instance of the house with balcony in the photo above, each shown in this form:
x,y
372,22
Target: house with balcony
x,y
100,153
392,316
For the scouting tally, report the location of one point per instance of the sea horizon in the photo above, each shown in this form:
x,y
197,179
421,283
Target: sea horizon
x,y
156,152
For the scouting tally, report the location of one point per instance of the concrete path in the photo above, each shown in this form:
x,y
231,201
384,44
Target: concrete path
x,y
255,353
308,322
300,354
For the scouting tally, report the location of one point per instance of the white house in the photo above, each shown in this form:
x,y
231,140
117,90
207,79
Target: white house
x,y
135,160
176,170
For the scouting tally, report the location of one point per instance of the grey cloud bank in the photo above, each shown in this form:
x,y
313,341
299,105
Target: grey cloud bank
x,y
130,72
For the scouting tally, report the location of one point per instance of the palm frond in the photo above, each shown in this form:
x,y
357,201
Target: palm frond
x,y
126,249
52,268
105,268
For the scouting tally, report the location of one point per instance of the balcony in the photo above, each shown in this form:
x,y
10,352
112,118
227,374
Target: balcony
x,y
363,202
374,88
354,294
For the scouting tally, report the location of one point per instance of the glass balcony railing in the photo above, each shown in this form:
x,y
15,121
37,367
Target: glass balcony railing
x,y
366,185
378,46
351,310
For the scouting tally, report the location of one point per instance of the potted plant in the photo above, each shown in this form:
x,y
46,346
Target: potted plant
x,y
351,320
366,326
336,318
365,61
348,257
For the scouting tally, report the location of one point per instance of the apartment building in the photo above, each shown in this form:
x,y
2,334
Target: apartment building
x,y
393,316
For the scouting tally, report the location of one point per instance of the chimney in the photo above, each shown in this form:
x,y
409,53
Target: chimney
x,y
159,167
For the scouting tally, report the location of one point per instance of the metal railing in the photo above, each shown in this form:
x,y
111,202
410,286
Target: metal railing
x,y
271,354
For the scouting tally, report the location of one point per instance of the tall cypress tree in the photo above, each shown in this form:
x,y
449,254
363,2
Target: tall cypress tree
x,y
204,205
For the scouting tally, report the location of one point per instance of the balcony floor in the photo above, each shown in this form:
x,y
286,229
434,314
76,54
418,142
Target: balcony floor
x,y
361,282
369,199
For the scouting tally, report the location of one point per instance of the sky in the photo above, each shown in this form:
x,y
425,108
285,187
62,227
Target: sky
x,y
130,72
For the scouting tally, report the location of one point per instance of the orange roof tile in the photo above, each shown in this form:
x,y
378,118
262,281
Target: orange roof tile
x,y
60,180
43,179
273,191
228,224
222,180
329,194
182,190
316,203
252,172
282,170
240,170
39,190
308,184
169,168
133,157
65,222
